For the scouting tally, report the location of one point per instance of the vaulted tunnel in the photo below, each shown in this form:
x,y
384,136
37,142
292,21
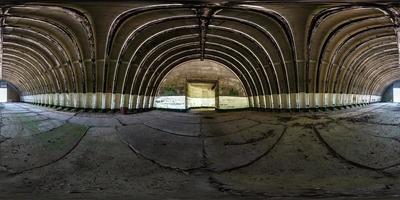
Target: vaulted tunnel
x,y
326,55
85,70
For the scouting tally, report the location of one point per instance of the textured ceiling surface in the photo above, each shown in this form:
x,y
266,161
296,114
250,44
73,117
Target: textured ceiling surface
x,y
127,48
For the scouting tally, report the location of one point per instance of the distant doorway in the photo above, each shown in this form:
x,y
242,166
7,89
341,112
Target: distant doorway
x,y
3,95
201,84
396,95
201,94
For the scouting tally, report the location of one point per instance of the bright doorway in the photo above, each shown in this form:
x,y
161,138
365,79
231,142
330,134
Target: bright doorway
x,y
396,95
3,95
201,94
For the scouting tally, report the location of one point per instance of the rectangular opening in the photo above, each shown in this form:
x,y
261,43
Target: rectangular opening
x,y
396,95
3,95
201,94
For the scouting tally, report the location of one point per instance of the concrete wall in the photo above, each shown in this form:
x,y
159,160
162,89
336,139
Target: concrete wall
x,y
201,94
171,94
230,91
175,81
12,95
275,101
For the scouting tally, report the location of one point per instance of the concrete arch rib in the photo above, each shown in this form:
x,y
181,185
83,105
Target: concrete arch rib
x,y
346,47
57,40
141,29
169,65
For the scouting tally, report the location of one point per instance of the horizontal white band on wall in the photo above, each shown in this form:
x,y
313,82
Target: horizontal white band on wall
x,y
275,101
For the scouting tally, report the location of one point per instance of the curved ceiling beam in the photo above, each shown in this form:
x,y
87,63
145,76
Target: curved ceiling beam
x,y
353,46
16,75
319,19
58,46
43,60
10,68
270,37
248,37
75,55
57,49
387,75
28,67
384,81
20,65
241,71
333,67
182,59
137,49
140,28
156,77
68,48
152,91
159,53
194,48
11,79
178,56
78,16
134,56
335,32
281,20
350,77
383,62
30,59
131,59
61,76
349,59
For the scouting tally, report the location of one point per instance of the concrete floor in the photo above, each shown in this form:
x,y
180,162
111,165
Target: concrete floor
x,y
346,154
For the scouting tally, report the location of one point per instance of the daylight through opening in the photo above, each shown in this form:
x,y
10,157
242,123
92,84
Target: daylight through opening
x,y
201,84
3,95
396,95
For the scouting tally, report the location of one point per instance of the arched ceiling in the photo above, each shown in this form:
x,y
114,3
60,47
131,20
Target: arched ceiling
x,y
351,49
47,49
127,48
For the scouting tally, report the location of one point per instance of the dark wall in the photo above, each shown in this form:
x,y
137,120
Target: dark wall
x,y
388,94
174,84
13,94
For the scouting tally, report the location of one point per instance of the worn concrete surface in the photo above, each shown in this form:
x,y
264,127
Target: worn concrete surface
x,y
345,154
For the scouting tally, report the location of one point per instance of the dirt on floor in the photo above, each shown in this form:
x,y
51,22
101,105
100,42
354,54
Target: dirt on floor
x,y
344,154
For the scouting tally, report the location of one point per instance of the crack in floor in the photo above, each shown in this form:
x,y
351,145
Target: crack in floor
x,y
339,156
200,128
53,161
222,187
390,138
204,159
164,166
306,193
252,140
259,157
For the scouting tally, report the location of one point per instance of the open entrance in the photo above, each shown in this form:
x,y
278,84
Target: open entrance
x,y
201,94
201,84
396,95
3,92
3,95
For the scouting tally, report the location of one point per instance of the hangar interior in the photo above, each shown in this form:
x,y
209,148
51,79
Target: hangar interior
x,y
206,99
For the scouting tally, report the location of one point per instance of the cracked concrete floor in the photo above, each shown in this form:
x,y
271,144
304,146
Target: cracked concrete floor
x,y
48,154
